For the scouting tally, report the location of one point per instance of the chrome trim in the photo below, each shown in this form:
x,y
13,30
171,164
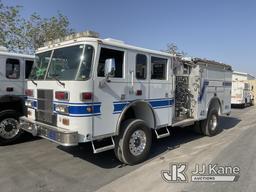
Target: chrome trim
x,y
137,142
62,136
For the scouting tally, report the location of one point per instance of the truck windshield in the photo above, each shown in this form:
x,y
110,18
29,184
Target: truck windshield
x,y
40,65
68,63
71,63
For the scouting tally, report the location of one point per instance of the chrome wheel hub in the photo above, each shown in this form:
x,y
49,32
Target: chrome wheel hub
x,y
9,128
137,143
213,122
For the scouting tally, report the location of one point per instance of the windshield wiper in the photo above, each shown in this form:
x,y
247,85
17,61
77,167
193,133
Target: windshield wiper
x,y
33,81
54,76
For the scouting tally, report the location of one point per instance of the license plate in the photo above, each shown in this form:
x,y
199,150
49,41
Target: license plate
x,y
52,135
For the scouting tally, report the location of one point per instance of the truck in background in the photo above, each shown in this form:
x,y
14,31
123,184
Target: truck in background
x,y
14,70
114,95
241,94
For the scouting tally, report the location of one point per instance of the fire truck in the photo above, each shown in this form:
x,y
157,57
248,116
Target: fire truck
x,y
116,96
14,70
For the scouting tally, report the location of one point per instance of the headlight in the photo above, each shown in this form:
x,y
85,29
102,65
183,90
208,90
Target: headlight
x,y
61,108
29,103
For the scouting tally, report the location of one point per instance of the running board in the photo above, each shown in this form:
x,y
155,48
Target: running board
x,y
103,148
162,134
184,123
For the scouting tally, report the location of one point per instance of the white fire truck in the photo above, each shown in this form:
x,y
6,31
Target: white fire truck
x,y
14,70
114,95
241,94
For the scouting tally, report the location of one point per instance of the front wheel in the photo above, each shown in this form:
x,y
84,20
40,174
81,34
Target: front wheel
x,y
9,130
134,142
210,126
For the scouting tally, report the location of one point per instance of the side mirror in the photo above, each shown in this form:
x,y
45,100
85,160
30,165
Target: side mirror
x,y
110,67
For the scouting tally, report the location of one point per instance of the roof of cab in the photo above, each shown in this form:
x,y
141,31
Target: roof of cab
x,y
108,41
9,54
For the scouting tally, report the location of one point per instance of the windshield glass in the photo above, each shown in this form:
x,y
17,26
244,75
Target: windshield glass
x,y
70,63
40,65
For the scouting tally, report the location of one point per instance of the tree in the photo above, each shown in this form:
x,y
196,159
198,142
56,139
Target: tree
x,y
173,49
25,36
41,30
11,25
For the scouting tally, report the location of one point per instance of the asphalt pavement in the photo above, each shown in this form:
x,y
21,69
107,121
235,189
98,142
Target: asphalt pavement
x,y
38,165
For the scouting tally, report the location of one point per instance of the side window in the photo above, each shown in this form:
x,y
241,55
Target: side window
x,y
158,68
109,54
28,68
141,66
12,69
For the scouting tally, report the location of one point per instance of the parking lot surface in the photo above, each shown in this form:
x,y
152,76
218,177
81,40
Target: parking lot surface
x,y
38,165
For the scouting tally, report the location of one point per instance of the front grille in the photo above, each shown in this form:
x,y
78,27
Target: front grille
x,y
44,111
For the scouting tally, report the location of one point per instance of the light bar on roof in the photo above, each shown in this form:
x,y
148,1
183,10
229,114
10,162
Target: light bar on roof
x,y
73,36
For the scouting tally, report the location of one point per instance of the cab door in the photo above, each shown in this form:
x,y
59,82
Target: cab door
x,y
138,76
111,94
161,89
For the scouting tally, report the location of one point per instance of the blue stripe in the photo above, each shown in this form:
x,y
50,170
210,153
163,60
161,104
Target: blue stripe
x,y
118,107
82,110
205,84
33,102
162,103
227,84
155,103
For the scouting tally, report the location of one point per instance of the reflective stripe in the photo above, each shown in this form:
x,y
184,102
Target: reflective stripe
x,y
155,103
80,109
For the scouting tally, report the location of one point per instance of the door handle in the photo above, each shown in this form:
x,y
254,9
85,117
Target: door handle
x,y
9,89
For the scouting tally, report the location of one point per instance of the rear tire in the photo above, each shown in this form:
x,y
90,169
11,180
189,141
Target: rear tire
x,y
245,104
210,126
133,143
9,130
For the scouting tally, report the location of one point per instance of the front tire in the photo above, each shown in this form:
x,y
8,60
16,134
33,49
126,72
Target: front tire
x,y
133,144
210,126
9,130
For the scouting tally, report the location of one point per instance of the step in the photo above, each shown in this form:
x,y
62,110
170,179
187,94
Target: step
x,y
103,148
162,134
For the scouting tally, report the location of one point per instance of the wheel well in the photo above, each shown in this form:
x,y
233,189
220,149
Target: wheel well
x,y
138,110
215,103
12,103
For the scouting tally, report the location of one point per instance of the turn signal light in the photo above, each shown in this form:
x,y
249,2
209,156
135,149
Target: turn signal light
x,y
29,92
65,121
86,96
61,95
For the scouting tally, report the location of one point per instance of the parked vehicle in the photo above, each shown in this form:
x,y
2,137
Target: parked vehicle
x,y
14,70
114,95
241,94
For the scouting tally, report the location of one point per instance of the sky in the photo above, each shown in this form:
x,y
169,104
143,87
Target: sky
x,y
221,30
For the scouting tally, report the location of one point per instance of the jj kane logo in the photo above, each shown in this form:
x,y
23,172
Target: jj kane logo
x,y
201,173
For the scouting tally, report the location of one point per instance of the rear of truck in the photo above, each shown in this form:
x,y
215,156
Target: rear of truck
x,y
241,94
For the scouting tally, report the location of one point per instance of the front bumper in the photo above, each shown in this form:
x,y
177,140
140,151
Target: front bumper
x,y
58,135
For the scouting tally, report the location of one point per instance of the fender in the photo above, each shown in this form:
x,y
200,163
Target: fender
x,y
12,102
215,100
134,103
